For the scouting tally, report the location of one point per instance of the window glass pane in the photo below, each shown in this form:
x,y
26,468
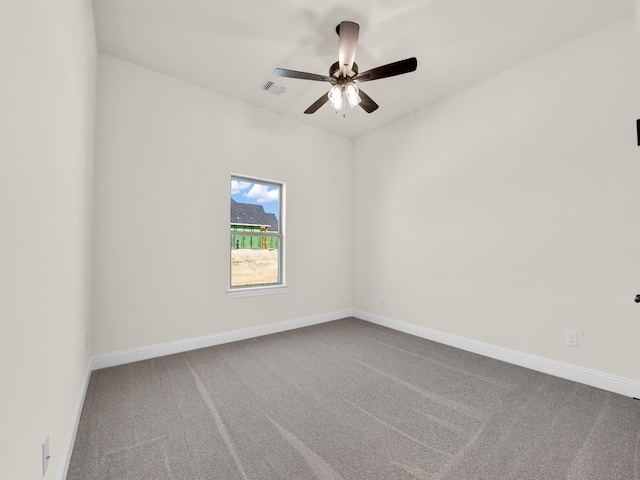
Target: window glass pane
x,y
253,267
255,210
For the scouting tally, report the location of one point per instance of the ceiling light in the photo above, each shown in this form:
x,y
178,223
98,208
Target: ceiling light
x,y
335,97
351,91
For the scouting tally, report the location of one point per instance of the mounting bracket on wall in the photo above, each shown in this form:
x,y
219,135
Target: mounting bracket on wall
x,y
638,298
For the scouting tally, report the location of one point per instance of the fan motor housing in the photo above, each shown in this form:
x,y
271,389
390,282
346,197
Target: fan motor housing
x,y
335,71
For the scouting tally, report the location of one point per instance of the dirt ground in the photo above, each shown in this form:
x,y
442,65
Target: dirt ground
x,y
254,267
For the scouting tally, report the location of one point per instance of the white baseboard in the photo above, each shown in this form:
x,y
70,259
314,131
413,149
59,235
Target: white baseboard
x,y
623,386
612,383
144,353
65,458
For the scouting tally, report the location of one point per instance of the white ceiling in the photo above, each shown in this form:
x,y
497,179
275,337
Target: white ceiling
x,y
233,47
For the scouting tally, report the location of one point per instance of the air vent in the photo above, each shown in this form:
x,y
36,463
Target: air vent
x,y
273,88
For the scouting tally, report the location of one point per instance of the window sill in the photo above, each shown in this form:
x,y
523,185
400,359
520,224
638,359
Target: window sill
x,y
257,291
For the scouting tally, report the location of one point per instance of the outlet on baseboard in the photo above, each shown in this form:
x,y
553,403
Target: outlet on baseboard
x,y
572,339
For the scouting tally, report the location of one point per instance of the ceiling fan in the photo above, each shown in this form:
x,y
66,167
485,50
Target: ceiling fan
x,y
344,75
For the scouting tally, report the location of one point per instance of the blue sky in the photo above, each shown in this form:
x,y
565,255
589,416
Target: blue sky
x,y
256,193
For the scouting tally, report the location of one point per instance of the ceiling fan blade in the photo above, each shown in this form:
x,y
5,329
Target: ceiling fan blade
x,y
389,70
367,104
318,103
348,32
283,72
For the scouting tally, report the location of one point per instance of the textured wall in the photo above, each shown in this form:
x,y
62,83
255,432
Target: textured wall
x,y
47,98
165,152
523,194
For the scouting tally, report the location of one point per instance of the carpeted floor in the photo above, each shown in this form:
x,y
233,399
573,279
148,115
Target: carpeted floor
x,y
348,400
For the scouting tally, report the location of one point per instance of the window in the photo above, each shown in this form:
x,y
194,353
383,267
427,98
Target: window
x,y
256,233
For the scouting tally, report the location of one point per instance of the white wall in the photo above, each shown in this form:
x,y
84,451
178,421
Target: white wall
x,y
47,111
510,213
165,151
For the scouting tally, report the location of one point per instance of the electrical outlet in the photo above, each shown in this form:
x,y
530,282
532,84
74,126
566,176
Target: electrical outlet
x,y
45,456
572,339
382,301
86,341
292,303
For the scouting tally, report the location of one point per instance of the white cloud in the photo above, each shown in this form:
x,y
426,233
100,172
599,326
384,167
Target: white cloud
x,y
237,186
262,194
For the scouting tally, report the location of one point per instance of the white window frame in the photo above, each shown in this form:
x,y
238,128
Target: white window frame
x,y
263,289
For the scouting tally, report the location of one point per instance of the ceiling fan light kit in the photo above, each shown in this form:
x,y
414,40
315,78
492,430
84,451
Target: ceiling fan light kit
x,y
335,97
351,92
344,75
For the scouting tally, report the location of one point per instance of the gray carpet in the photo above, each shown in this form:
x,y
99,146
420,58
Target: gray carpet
x,y
348,400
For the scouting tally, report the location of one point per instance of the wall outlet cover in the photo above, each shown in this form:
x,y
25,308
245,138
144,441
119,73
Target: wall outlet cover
x,y
45,456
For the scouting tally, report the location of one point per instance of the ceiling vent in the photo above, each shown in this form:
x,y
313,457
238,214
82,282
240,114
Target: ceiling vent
x,y
273,88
